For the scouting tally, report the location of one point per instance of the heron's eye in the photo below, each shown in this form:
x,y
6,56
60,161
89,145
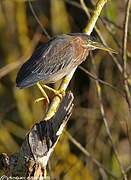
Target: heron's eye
x,y
89,42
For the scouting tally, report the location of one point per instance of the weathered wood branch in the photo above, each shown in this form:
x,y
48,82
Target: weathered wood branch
x,y
38,145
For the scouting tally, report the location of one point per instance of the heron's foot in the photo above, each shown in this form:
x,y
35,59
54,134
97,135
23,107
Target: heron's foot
x,y
60,93
42,99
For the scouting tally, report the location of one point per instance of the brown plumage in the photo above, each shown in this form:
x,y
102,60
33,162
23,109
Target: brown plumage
x,y
55,59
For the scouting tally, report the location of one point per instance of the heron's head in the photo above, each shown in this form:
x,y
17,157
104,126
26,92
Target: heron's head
x,y
92,44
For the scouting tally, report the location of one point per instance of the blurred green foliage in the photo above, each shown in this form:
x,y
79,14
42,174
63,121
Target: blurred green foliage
x,y
19,35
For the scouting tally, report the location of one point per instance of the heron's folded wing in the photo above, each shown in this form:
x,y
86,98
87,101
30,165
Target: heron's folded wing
x,y
46,60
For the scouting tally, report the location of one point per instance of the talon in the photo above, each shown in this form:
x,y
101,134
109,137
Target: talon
x,y
59,93
42,98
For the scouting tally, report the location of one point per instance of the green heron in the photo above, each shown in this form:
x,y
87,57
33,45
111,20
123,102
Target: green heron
x,y
55,59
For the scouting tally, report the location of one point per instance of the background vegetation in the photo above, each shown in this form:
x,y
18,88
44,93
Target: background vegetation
x,y
99,146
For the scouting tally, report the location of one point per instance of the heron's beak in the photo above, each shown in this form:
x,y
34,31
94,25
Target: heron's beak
x,y
96,45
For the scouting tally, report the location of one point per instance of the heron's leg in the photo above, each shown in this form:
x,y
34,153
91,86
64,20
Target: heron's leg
x,y
59,93
43,93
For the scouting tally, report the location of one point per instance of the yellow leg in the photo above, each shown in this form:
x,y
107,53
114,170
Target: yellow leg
x,y
58,93
43,93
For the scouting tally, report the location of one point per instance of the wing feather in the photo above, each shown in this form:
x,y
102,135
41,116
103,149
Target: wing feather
x,y
45,62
